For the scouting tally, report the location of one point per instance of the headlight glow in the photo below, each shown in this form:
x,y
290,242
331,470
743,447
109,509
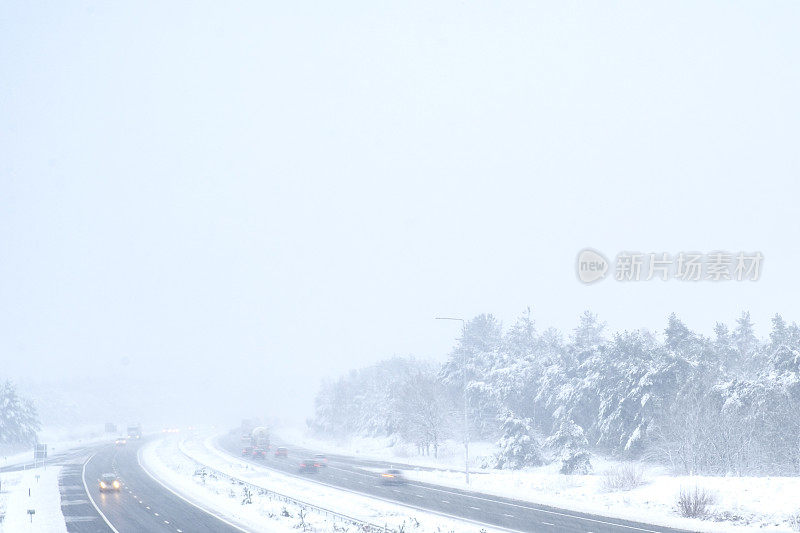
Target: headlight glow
x,y
102,484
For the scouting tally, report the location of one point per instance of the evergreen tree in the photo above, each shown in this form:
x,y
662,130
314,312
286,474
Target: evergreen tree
x,y
19,420
518,446
569,442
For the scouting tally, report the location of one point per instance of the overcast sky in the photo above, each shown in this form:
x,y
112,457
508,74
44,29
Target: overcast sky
x,y
272,192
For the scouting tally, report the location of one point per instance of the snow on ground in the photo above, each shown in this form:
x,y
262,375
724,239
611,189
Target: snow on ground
x,y
163,460
58,440
44,499
361,507
740,503
450,456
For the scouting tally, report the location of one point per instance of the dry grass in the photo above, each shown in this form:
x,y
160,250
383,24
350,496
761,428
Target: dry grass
x,y
624,477
693,503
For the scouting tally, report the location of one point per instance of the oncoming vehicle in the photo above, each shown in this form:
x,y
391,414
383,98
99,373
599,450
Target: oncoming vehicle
x,y
121,442
392,477
321,459
309,466
280,451
109,482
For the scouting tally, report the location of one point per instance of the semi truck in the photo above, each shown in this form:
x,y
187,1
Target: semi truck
x,y
135,431
259,438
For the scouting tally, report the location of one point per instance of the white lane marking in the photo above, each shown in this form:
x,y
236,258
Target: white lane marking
x,y
476,508
354,470
155,514
218,517
445,501
512,516
147,507
548,523
419,495
166,521
375,497
465,495
86,488
179,531
535,509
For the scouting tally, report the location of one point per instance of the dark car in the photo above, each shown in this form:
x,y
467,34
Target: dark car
x,y
247,450
259,453
321,459
309,466
392,477
280,451
110,482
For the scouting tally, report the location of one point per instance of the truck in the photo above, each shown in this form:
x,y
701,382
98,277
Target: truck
x,y
135,431
259,438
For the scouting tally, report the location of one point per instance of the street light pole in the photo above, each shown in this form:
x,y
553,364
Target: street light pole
x,y
464,376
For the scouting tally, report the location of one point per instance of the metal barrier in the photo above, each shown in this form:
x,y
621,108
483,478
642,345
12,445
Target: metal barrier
x,y
362,525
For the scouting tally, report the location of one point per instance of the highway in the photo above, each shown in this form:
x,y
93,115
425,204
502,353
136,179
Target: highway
x,y
351,474
142,505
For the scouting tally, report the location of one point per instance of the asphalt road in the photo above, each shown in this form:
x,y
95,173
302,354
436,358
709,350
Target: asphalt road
x,y
351,474
142,504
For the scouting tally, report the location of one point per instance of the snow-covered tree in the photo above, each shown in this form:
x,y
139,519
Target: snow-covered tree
x,y
519,445
424,411
569,442
473,360
19,420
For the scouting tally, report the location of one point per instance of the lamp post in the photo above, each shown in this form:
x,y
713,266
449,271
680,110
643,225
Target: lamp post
x,y
464,376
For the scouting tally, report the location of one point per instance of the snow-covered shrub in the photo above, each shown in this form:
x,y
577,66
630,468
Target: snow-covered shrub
x,y
518,447
624,477
693,503
576,462
570,443
794,521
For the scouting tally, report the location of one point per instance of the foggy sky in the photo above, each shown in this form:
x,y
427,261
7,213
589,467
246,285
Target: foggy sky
x,y
257,195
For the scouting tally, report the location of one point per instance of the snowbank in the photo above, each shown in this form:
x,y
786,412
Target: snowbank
x,y
450,456
361,507
59,440
44,499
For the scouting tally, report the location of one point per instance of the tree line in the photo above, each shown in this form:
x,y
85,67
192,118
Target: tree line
x,y
728,403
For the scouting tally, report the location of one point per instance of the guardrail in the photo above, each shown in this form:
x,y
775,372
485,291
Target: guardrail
x,y
362,525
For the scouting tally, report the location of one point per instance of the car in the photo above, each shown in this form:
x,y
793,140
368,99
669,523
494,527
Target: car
x,y
280,451
109,482
247,450
259,453
309,466
392,477
121,442
321,459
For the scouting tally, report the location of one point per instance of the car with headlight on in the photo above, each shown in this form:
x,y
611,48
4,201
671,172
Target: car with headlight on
x,y
392,477
121,442
109,482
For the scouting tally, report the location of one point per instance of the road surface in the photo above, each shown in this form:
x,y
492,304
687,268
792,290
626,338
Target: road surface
x,y
351,474
142,505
